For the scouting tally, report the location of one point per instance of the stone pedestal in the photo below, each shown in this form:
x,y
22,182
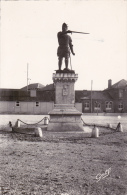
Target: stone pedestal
x,y
64,116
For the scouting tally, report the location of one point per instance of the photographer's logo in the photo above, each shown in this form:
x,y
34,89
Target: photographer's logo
x,y
102,176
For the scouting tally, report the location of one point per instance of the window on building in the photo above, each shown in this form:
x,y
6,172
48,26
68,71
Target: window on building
x,y
37,104
121,93
120,106
108,105
97,105
17,104
87,105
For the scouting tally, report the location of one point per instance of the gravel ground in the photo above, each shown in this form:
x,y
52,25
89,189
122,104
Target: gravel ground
x,y
63,166
58,164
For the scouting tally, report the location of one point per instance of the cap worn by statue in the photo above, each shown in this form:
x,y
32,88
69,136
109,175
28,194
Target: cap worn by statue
x,y
65,49
64,25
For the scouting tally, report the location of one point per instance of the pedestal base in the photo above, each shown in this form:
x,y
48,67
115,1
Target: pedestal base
x,y
65,127
65,118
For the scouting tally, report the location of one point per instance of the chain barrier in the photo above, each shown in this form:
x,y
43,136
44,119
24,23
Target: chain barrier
x,y
33,123
93,124
86,124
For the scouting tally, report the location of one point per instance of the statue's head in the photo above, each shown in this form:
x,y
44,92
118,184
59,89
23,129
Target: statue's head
x,y
64,27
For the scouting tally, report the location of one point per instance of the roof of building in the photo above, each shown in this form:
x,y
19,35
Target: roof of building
x,y
6,89
85,95
48,87
98,95
120,84
21,95
79,94
34,86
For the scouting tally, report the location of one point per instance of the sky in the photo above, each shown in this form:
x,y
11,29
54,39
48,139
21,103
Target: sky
x,y
29,38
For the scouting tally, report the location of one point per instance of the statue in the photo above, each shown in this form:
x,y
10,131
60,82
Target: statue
x,y
65,46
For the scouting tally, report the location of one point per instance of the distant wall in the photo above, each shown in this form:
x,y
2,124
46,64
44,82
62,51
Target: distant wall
x,y
10,107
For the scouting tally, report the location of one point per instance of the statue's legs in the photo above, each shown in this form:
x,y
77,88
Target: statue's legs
x,y
60,62
66,62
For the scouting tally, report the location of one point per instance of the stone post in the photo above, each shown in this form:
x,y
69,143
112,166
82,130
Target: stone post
x,y
95,132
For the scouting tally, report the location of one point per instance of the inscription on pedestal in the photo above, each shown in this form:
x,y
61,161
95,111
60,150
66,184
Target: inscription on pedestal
x,y
65,90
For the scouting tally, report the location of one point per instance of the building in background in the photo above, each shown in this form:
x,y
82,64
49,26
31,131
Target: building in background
x,y
39,99
35,100
111,100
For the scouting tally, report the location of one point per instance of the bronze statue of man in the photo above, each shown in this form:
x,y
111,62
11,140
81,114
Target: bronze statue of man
x,y
65,46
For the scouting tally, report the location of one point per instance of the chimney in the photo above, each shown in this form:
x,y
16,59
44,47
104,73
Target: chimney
x,y
109,83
